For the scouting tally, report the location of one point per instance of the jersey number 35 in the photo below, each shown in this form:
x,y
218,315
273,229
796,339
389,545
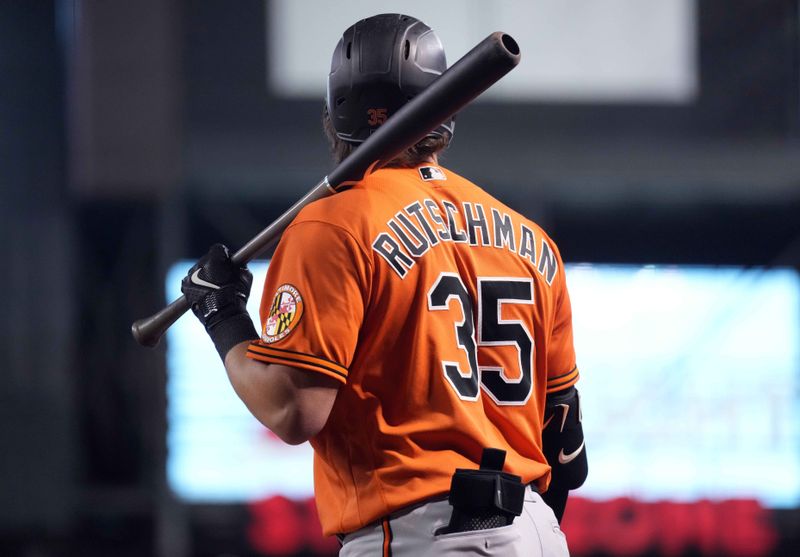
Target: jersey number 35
x,y
493,293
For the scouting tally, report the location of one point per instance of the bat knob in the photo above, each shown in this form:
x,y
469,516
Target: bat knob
x,y
143,334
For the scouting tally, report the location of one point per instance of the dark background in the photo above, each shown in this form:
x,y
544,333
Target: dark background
x,y
136,133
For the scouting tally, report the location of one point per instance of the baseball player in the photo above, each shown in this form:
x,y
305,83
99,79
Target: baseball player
x,y
415,330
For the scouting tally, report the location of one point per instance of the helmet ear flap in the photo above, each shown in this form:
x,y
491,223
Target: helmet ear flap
x,y
378,65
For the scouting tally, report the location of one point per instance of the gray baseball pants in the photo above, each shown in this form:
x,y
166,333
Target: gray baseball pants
x,y
410,533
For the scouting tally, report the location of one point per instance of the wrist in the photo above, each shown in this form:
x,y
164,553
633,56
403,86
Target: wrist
x,y
228,332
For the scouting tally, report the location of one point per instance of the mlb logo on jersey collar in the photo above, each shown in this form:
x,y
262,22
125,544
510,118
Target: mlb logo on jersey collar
x,y
429,173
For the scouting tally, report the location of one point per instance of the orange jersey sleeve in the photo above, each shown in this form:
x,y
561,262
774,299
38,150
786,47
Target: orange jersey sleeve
x,y
562,372
313,303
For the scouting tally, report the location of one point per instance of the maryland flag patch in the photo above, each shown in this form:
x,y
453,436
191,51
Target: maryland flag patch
x,y
284,314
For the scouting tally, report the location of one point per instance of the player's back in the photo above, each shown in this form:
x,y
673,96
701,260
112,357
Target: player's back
x,y
458,344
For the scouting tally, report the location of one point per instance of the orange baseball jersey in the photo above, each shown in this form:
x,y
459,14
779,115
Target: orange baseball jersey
x,y
446,317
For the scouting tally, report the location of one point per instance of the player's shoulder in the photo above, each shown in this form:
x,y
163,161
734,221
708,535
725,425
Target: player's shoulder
x,y
342,214
498,213
359,202
493,204
337,209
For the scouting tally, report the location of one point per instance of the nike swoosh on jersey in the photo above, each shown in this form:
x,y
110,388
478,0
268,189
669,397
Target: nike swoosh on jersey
x,y
564,458
550,419
195,278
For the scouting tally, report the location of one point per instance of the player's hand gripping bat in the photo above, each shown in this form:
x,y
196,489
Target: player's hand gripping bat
x,y
475,72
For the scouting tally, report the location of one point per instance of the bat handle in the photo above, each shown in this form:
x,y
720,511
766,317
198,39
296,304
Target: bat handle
x,y
148,331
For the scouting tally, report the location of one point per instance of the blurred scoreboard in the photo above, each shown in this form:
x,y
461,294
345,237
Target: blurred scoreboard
x,y
690,386
605,55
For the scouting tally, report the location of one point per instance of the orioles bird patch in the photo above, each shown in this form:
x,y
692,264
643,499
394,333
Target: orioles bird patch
x,y
284,314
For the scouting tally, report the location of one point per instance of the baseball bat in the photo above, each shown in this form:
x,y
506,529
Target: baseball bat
x,y
470,76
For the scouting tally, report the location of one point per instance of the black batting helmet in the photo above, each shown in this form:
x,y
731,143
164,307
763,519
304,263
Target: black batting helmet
x,y
378,65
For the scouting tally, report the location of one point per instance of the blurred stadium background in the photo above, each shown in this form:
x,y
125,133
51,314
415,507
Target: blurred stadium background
x,y
656,140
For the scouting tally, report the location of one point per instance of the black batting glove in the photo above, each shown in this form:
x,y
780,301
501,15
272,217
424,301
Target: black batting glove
x,y
217,290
